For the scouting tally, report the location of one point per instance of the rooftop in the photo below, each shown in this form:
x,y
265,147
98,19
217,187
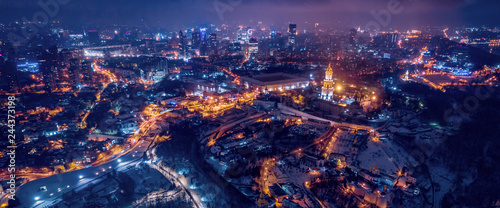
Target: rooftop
x,y
275,78
272,78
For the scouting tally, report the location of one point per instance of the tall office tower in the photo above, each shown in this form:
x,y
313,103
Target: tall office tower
x,y
253,47
49,65
116,37
86,70
212,28
74,72
203,48
276,40
394,38
49,72
65,55
182,44
93,37
247,34
8,66
203,32
8,52
52,54
352,36
239,34
386,40
150,46
235,47
196,40
162,65
273,35
10,72
292,34
213,44
189,37
131,36
213,40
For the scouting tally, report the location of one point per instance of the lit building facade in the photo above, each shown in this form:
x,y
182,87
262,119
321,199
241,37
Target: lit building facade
x,y
292,34
274,82
327,89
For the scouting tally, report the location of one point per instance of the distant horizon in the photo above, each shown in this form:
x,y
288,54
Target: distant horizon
x,y
404,14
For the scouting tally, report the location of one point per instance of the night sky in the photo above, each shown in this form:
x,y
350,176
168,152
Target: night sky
x,y
192,12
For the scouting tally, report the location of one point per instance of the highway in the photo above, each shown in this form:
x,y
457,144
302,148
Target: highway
x,y
30,194
217,133
308,116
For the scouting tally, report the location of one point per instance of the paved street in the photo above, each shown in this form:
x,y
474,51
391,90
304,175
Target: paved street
x,y
30,194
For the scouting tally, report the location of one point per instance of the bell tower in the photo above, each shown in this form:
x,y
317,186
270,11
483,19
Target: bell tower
x,y
327,89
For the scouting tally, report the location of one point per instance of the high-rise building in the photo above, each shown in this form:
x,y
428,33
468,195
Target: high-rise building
x,y
204,48
292,34
196,40
394,38
189,36
150,46
253,47
86,70
93,37
75,72
203,32
159,70
235,47
247,34
386,40
213,40
352,36
276,40
10,72
49,66
182,44
131,36
239,35
327,89
213,44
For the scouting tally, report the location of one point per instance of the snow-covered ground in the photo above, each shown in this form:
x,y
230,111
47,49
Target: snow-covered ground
x,y
388,157
444,178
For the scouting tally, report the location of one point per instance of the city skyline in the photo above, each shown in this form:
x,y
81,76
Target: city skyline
x,y
350,13
233,103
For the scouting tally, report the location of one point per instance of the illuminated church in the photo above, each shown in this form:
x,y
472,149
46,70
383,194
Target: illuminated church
x,y
327,90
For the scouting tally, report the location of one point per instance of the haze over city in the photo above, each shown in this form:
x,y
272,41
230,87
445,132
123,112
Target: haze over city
x,y
233,103
192,12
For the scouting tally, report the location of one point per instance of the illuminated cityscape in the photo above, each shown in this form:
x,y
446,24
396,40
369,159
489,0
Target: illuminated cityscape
x,y
215,104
